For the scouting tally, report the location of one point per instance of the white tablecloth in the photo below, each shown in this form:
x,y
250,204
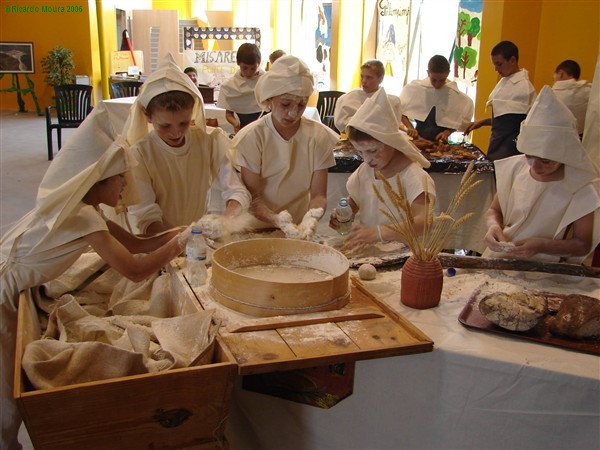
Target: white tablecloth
x,y
474,391
118,109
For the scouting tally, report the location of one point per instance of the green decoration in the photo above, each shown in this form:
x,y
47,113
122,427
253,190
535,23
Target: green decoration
x,y
58,65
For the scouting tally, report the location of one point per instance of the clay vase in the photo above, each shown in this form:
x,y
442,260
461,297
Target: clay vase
x,y
421,283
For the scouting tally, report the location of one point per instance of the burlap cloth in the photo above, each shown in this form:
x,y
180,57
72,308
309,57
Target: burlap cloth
x,y
133,333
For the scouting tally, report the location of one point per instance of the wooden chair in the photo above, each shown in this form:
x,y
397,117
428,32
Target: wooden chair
x,y
120,89
73,104
326,107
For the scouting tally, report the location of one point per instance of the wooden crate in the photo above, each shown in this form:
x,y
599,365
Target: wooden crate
x,y
171,409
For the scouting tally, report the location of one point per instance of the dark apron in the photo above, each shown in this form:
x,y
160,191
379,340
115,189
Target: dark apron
x,y
503,141
245,119
429,129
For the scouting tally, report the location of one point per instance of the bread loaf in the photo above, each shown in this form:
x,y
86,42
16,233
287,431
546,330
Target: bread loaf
x,y
518,311
578,317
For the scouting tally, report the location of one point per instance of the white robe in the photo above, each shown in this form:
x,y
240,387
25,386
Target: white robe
x,y
174,183
347,105
532,208
286,167
453,109
513,94
237,94
360,189
575,95
30,256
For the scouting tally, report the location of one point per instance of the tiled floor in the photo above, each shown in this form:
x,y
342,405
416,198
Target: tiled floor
x,y
23,162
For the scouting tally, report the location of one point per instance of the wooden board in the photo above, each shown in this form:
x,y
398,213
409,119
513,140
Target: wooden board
x,y
288,346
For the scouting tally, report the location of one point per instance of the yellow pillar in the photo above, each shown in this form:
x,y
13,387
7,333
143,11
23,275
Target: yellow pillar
x,y
347,43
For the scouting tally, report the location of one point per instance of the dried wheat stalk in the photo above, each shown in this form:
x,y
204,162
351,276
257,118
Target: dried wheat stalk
x,y
437,229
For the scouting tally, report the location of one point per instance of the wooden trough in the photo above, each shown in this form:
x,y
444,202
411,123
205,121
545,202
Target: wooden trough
x,y
270,294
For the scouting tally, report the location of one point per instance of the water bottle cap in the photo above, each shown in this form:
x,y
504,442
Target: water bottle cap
x,y
343,202
196,229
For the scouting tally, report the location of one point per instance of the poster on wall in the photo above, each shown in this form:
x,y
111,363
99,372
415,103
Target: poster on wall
x,y
466,49
393,27
16,57
313,45
213,66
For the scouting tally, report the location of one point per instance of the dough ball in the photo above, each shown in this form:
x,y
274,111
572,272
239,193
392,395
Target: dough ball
x,y
367,272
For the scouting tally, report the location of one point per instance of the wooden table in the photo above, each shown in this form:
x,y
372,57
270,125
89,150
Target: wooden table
x,y
118,109
474,391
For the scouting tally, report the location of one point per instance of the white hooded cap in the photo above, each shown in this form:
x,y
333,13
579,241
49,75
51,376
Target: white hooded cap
x,y
88,156
550,132
168,77
287,75
377,119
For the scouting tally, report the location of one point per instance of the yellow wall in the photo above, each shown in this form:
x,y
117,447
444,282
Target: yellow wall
x,y
546,32
569,30
46,29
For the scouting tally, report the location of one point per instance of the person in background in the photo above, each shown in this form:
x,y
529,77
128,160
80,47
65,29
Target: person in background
x,y
283,156
192,73
89,171
572,91
371,76
274,57
373,131
510,100
180,157
435,103
237,93
547,206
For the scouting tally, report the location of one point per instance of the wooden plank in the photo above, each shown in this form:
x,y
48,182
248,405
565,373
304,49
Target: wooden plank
x,y
257,347
329,316
298,347
317,340
378,333
406,324
477,262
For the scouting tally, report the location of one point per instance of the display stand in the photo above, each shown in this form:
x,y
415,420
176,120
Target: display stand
x,y
16,87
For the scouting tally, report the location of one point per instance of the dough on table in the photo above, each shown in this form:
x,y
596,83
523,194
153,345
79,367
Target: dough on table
x,y
367,272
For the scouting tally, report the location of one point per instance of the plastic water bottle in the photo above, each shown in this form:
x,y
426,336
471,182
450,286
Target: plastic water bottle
x,y
195,258
343,214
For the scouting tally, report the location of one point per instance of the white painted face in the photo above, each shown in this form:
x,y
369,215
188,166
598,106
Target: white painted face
x,y
374,153
545,169
287,109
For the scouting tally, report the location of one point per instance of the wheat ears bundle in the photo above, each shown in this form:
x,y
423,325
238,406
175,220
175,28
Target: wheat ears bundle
x,y
437,229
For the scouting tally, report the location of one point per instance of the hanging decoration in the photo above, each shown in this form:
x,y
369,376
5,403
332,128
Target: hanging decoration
x,y
466,48
393,28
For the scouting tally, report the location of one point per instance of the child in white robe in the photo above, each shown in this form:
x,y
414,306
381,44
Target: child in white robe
x,y
180,157
572,91
510,100
284,156
435,103
371,77
373,132
547,206
237,93
65,223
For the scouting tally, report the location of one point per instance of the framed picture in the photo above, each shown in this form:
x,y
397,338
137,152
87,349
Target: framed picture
x,y
16,57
